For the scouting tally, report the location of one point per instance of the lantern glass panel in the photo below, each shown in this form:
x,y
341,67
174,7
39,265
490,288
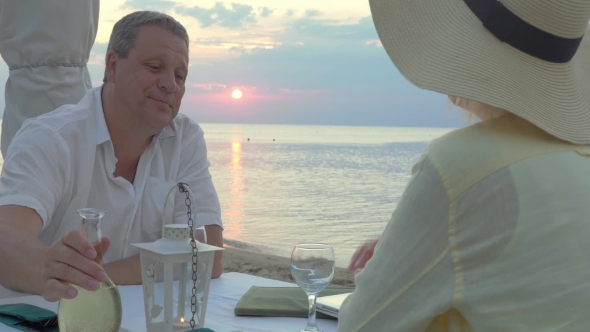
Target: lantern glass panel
x,y
183,288
153,287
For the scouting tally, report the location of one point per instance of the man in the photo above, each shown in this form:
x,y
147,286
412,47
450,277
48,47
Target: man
x,y
46,52
122,148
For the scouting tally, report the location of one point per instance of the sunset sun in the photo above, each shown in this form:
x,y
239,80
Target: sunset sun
x,y
236,94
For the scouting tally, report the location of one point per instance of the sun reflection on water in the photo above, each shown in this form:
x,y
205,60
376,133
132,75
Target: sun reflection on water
x,y
234,209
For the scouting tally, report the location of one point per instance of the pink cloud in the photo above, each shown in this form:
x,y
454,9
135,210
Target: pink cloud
x,y
209,86
302,92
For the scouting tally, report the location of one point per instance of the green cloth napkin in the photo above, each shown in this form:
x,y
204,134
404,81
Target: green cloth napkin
x,y
280,302
26,317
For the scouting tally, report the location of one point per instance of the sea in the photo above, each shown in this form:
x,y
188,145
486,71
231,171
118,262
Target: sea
x,y
280,185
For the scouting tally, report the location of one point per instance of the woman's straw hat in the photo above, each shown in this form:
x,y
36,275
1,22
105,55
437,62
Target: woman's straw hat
x,y
529,57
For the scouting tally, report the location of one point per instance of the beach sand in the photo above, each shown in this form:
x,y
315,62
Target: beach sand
x,y
272,267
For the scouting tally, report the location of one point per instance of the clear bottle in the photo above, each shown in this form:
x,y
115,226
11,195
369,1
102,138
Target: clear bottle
x,y
99,310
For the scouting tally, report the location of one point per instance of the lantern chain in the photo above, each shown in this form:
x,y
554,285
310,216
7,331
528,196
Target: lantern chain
x,y
182,187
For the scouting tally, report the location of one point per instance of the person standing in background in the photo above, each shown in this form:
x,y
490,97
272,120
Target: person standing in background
x,y
46,45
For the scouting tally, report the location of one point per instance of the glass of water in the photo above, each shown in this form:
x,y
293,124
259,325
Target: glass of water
x,y
200,234
312,267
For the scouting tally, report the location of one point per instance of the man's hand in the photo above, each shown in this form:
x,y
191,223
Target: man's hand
x,y
72,259
362,256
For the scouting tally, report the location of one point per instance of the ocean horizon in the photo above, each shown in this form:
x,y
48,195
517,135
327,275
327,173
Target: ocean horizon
x,y
280,185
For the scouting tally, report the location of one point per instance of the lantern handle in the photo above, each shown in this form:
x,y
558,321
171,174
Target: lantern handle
x,y
166,204
184,188
189,197
174,187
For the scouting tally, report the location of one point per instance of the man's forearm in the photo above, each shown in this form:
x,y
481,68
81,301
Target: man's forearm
x,y
215,238
21,256
125,272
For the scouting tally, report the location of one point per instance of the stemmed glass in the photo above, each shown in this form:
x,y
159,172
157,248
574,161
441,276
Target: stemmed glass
x,y
312,267
200,234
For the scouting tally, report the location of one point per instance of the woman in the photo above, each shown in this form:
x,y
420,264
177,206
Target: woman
x,y
492,232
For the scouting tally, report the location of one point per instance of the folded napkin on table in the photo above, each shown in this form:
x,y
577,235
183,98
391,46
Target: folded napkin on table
x,y
280,302
26,317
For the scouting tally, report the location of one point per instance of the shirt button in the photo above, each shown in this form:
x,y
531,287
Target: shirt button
x,y
110,169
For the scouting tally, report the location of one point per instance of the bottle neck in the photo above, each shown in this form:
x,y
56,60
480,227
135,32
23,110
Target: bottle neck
x,y
91,230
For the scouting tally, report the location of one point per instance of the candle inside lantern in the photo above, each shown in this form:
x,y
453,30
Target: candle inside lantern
x,y
180,325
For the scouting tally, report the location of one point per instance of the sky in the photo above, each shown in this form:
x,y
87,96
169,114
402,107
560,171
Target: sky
x,y
300,62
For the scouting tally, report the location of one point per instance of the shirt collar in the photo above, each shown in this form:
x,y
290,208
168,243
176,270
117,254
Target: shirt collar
x,y
102,131
169,131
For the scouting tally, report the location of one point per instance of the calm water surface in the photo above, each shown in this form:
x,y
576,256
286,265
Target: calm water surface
x,y
283,185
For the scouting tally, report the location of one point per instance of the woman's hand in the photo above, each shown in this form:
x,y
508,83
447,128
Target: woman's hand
x,y
362,255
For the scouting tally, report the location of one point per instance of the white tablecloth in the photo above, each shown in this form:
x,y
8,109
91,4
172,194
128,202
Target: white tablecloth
x,y
223,296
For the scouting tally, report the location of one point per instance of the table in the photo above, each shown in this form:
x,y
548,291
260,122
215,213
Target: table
x,y
224,294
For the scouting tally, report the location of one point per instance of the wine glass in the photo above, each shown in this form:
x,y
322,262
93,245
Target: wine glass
x,y
200,234
312,267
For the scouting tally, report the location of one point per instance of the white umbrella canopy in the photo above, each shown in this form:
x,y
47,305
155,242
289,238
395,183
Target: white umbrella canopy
x,y
46,45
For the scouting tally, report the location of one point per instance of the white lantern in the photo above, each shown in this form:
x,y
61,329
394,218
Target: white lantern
x,y
175,277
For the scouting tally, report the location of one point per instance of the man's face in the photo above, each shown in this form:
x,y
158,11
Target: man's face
x,y
149,83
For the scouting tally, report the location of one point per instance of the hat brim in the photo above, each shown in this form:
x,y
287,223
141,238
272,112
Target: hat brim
x,y
442,46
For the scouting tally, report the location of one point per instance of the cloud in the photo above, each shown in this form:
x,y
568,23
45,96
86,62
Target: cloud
x,y
312,13
156,5
317,66
331,29
209,86
318,72
301,92
375,42
266,12
299,32
316,40
290,13
240,43
310,55
233,18
97,54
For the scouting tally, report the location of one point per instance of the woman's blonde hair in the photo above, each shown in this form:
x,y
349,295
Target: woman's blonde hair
x,y
474,110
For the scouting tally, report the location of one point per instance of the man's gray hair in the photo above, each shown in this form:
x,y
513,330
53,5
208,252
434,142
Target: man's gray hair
x,y
126,30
